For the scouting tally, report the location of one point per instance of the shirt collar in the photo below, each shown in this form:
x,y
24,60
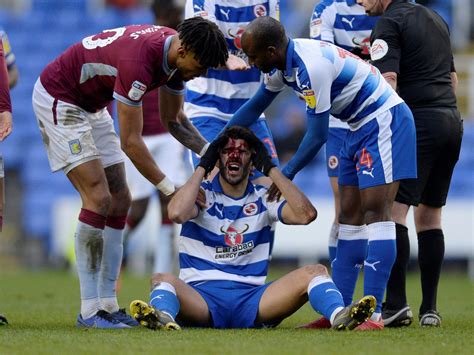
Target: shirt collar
x,y
166,48
216,187
289,57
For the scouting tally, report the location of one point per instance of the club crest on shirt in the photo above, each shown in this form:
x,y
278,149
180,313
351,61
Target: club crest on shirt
x,y
75,146
250,209
309,97
259,10
333,162
379,49
137,91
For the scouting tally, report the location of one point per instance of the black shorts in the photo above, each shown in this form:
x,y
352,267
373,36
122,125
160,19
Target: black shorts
x,y
438,143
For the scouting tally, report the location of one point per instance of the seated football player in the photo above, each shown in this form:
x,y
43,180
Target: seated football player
x,y
224,250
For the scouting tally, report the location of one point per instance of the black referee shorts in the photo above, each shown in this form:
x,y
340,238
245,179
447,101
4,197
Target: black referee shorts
x,y
438,143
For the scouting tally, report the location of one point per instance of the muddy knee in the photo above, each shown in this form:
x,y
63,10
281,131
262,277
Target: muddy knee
x,y
158,278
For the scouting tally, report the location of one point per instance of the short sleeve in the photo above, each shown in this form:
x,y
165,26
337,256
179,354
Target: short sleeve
x,y
274,81
385,47
132,82
202,8
322,22
315,80
175,86
274,210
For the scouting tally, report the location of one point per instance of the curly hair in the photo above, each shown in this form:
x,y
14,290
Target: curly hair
x,y
204,39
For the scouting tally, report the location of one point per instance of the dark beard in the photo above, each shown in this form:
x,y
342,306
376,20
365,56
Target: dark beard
x,y
245,173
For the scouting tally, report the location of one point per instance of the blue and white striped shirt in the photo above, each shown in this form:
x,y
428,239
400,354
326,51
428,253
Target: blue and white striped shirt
x,y
221,92
230,240
331,78
344,23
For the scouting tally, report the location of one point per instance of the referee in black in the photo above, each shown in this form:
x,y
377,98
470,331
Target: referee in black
x,y
410,46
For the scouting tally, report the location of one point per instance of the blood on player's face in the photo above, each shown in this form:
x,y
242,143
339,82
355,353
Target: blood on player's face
x,y
235,159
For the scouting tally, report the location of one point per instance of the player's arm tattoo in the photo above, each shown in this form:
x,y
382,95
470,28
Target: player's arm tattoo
x,y
184,131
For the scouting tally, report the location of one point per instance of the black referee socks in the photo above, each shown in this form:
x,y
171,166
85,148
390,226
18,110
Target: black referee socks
x,y
430,259
396,289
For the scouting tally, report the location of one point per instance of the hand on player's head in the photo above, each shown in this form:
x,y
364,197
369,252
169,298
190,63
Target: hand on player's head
x,y
261,159
210,158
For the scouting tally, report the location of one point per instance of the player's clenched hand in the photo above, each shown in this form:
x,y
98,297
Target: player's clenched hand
x,y
209,159
236,63
273,193
6,124
261,159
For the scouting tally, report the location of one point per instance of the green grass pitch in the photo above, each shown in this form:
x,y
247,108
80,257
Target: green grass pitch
x,y
42,309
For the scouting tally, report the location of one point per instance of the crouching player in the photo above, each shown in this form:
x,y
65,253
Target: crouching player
x,y
224,250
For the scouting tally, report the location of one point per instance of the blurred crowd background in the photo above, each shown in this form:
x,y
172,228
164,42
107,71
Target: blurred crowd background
x,y
39,30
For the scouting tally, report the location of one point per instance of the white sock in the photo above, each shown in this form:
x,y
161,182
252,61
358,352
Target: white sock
x,y
164,250
110,268
88,244
376,317
334,314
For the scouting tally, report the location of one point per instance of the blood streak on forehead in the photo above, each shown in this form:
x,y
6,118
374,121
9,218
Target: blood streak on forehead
x,y
236,144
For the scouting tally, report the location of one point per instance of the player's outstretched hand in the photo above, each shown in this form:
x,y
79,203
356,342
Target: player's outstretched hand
x,y
236,63
261,159
210,158
273,193
5,125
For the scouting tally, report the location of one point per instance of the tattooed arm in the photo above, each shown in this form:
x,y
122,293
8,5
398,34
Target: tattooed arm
x,y
174,119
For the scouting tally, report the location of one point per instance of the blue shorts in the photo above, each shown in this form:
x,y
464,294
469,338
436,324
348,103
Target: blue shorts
x,y
381,151
210,127
334,145
232,304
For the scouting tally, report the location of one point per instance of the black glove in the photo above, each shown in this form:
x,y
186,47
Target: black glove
x,y
261,159
210,158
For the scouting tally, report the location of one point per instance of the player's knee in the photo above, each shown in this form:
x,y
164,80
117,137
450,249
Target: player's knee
x,y
311,271
158,278
101,200
427,218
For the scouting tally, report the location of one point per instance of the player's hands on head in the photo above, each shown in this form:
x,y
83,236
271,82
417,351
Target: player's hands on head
x,y
210,158
6,125
261,159
273,193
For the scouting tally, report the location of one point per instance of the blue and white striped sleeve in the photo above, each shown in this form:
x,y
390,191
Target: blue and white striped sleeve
x,y
203,8
322,21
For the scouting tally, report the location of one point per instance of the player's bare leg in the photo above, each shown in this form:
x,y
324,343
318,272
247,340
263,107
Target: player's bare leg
x,y
171,298
287,294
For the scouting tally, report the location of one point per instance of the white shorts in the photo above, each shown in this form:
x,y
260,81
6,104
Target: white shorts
x,y
73,136
168,154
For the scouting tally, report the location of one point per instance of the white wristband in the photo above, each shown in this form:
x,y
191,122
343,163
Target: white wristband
x,y
166,186
204,149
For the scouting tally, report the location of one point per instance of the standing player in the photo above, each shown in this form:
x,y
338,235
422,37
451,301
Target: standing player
x,y
5,130
224,250
70,100
412,49
378,151
211,100
166,151
345,24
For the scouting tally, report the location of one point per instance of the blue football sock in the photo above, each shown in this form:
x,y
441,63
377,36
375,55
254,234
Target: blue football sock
x,y
163,297
332,244
324,296
382,251
350,256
